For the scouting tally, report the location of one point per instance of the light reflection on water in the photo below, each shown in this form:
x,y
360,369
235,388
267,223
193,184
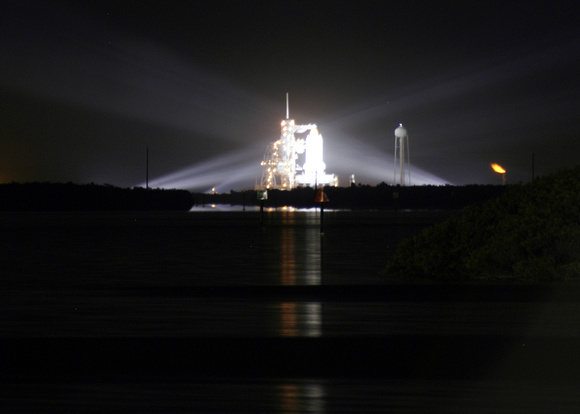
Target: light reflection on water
x,y
305,397
61,272
300,251
230,248
300,319
289,396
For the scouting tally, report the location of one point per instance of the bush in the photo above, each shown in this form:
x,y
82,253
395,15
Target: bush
x,y
530,233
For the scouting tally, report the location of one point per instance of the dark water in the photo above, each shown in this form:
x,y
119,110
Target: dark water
x,y
213,312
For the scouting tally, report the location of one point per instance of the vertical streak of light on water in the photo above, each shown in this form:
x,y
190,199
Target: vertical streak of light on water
x,y
302,398
300,250
300,319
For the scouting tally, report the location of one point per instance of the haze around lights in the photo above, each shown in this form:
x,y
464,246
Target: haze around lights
x,y
86,88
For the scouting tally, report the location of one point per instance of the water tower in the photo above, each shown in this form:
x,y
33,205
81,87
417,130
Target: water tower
x,y
402,162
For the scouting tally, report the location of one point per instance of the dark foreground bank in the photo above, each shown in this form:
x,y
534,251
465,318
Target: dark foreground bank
x,y
529,234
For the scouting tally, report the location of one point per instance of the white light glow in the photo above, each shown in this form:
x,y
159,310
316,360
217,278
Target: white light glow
x,y
314,163
287,173
230,171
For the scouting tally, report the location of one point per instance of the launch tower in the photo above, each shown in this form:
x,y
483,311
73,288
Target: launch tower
x,y
282,168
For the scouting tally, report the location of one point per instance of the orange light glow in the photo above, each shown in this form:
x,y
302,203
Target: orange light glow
x,y
497,168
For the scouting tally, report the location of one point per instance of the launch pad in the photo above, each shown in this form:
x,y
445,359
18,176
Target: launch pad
x,y
294,160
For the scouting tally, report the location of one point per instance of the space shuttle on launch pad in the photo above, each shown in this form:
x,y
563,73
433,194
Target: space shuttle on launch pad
x,y
281,166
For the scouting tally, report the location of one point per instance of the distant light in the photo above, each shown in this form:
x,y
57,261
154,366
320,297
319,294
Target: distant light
x,y
497,168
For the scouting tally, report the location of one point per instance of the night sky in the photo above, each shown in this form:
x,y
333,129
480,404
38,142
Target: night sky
x,y
87,87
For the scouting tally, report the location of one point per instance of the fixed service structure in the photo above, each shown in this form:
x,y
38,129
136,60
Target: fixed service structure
x,y
281,166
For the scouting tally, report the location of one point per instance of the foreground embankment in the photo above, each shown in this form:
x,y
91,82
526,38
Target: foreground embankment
x,y
531,233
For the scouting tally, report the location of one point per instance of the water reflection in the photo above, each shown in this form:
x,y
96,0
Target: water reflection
x,y
313,256
288,256
300,319
300,249
302,398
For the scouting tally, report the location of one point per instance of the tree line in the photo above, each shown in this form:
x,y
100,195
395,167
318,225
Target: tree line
x,y
365,197
90,197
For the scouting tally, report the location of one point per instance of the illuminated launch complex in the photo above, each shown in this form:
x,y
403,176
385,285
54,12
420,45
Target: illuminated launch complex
x,y
282,168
